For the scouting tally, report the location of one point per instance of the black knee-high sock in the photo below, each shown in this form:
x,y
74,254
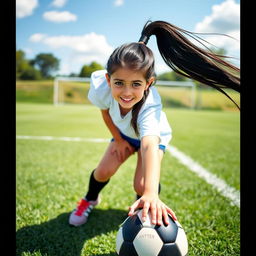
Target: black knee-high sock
x,y
94,188
159,190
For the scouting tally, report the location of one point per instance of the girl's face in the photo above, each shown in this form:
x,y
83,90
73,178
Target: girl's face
x,y
127,87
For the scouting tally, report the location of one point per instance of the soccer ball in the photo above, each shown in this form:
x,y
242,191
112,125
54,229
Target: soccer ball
x,y
137,238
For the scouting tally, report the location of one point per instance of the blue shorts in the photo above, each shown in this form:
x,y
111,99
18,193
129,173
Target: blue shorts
x,y
136,143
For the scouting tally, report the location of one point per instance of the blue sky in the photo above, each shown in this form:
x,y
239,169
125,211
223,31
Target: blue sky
x,y
80,31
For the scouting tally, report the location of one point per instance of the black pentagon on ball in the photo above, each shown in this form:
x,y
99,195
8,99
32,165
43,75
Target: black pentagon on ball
x,y
127,249
170,249
131,227
168,233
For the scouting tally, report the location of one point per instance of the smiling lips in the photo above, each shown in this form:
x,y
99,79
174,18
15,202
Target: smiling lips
x,y
126,100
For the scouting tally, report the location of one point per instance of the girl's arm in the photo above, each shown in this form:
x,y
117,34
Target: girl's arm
x,y
151,160
109,123
151,163
121,144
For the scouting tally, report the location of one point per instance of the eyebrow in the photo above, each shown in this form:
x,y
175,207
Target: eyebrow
x,y
124,80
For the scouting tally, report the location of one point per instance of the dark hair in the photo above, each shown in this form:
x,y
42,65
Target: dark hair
x,y
188,60
134,56
180,54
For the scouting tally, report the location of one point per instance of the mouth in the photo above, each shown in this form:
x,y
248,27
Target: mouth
x,y
126,100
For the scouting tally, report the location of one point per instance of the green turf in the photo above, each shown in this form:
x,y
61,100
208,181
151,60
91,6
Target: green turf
x,y
210,137
51,176
174,97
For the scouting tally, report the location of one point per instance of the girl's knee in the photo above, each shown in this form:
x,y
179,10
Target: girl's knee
x,y
103,174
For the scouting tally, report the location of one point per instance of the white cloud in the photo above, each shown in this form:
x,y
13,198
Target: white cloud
x,y
118,2
88,43
37,37
59,17
28,51
25,7
225,19
81,49
230,44
58,3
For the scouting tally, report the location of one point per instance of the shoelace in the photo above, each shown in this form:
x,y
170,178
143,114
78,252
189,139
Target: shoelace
x,y
82,205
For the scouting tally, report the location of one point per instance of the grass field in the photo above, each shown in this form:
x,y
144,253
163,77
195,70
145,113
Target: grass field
x,y
51,176
76,92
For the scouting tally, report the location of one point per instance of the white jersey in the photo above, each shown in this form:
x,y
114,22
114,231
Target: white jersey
x,y
151,119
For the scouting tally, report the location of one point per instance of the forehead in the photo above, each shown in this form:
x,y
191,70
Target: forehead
x,y
128,75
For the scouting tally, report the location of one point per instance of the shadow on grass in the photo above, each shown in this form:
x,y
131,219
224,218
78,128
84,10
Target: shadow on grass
x,y
57,238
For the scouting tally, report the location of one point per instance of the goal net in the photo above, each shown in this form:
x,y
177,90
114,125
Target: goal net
x,y
173,93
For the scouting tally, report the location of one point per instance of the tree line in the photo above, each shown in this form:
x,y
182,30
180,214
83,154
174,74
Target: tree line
x,y
45,65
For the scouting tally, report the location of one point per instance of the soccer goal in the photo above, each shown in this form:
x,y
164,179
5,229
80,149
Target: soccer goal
x,y
61,92
75,89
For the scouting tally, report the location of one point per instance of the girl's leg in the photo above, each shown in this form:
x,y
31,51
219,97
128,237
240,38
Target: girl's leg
x,y
109,164
107,167
138,181
98,180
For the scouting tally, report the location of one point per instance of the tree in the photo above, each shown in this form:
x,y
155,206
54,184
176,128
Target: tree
x,y
20,59
87,70
46,63
219,51
171,76
21,63
24,69
30,73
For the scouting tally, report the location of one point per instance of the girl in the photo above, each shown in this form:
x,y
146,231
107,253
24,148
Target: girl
x,y
131,109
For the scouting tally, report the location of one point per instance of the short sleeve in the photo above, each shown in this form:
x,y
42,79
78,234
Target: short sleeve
x,y
99,92
150,116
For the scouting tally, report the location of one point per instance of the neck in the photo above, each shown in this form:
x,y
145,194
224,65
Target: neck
x,y
124,111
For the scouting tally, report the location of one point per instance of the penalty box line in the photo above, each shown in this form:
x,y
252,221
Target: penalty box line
x,y
220,185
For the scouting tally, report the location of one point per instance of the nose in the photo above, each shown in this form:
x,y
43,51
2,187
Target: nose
x,y
126,91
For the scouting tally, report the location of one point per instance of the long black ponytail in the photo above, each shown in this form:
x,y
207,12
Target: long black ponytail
x,y
188,60
179,54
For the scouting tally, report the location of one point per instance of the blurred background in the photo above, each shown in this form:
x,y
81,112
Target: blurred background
x,y
59,43
72,38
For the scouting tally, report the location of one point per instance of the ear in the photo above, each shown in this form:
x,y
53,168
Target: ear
x,y
108,79
150,81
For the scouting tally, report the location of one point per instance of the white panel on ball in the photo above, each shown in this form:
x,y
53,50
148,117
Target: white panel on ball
x,y
147,222
178,224
119,239
182,241
147,242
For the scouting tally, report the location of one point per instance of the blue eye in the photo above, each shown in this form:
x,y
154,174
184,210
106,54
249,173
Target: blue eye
x,y
136,84
118,83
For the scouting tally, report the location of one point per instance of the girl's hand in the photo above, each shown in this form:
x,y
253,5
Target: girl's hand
x,y
157,208
120,147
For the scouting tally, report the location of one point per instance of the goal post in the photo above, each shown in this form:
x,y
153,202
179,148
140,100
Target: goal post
x,y
179,84
58,94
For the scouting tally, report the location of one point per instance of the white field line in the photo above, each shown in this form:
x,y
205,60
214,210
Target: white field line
x,y
210,178
62,138
229,192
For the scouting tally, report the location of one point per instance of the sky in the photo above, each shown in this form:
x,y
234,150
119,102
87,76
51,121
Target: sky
x,y
78,32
